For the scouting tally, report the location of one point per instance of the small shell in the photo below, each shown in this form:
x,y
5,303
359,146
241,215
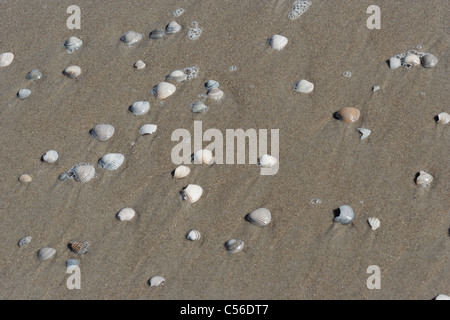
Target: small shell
x,y
395,63
348,114
346,214
203,156
234,245
267,161
375,88
304,86
46,253
148,129
23,93
278,42
79,247
72,263
164,90
364,133
34,75
429,60
111,161
412,60
72,72
157,34
260,217
131,38
140,108
442,297
126,214
73,44
215,94
156,281
102,132
50,156
198,107
25,178
193,235
374,223
83,172
443,118
424,179
139,64
6,59
24,241
177,75
173,27
192,193
210,84
181,172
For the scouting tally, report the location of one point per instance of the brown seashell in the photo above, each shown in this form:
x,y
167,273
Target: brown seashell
x,y
348,114
79,247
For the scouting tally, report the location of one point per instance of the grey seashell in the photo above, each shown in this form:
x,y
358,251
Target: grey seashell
x,y
139,64
395,63
111,161
173,27
46,253
72,72
131,38
72,263
364,133
73,44
34,75
215,94
198,107
50,156
429,60
443,118
234,245
148,129
211,84
260,217
23,93
424,179
193,235
177,75
83,172
102,132
6,59
24,241
156,281
346,214
140,108
157,34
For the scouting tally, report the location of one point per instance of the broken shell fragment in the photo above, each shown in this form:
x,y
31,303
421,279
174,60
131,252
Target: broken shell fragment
x,y
140,108
424,179
177,75
215,94
181,172
304,86
72,72
234,245
25,178
198,107
50,156
267,161
192,193
24,241
79,247
46,253
395,63
260,217
429,60
111,161
203,156
346,214
148,129
156,281
126,214
348,114
374,223
131,38
102,132
23,93
173,27
443,118
164,90
193,235
6,59
364,133
139,64
278,42
73,44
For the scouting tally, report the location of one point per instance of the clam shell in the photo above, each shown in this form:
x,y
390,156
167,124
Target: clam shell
x,y
374,223
111,161
234,245
210,84
429,60
260,217
203,156
157,34
164,90
139,64
45,253
348,114
6,59
131,38
177,75
25,178
304,86
193,235
83,172
126,214
72,263
346,214
148,129
198,107
140,108
102,131
443,118
79,247
34,75
50,156
24,241
215,94
192,193
395,63
156,281
267,161
364,133
424,179
173,27
72,72
23,93
412,60
278,42
181,172
73,44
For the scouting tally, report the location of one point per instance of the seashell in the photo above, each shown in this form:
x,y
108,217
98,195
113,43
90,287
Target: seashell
x,y
126,214
267,161
156,281
429,60
210,84
375,88
25,178
198,107
24,241
424,179
34,75
234,245
395,63
79,247
72,263
139,64
73,44
443,118
215,94
83,172
278,42
148,129
23,93
346,214
164,90
202,156
140,108
364,133
374,223
111,161
46,253
260,217
131,38
6,59
102,132
193,235
304,86
412,60
181,172
72,71
173,27
157,34
50,156
192,193
348,114
177,75
442,297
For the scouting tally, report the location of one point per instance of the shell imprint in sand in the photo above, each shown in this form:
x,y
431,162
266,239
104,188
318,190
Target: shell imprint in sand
x,y
192,193
181,172
156,281
346,214
260,217
46,253
102,131
234,245
6,59
278,42
126,214
73,44
79,247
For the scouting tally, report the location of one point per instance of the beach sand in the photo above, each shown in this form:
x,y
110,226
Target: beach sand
x,y
302,253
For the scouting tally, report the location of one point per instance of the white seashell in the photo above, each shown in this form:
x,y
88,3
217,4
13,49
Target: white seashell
x,y
139,64
395,63
83,172
234,245
198,107
192,193
210,84
102,132
126,214
346,214
374,223
364,133
215,94
72,71
6,59
173,27
177,75
304,86
73,44
267,161
131,38
140,108
46,253
111,161
429,60
203,156
412,60
424,179
260,217
443,118
50,156
148,129
24,241
25,178
23,93
164,90
193,235
442,297
156,281
157,34
34,75
181,172
278,42
375,88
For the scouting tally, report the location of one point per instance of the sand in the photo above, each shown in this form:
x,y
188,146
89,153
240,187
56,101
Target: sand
x,y
302,253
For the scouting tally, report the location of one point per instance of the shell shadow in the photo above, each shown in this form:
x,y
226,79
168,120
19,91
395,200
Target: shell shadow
x,y
387,62
336,213
336,116
416,176
436,118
